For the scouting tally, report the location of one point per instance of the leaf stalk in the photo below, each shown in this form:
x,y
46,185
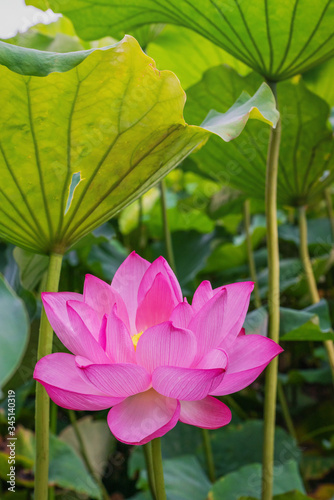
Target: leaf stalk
x,y
273,307
42,415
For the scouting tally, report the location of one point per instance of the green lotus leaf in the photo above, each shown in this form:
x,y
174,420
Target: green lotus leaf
x,y
276,40
306,164
320,81
189,55
83,134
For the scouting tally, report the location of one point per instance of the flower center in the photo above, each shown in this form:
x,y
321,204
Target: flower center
x,y
135,339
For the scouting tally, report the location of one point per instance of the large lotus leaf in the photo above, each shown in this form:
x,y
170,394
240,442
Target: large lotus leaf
x,y
189,55
306,161
90,137
320,81
278,40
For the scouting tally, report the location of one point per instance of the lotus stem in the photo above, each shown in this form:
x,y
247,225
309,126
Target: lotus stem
x,y
258,303
250,254
149,467
158,470
42,416
83,453
310,278
273,308
285,410
209,455
329,206
167,234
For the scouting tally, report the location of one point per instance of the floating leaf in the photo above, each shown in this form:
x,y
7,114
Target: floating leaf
x,y
107,115
14,331
278,43
307,148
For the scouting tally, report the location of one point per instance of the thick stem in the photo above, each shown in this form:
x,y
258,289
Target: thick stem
x,y
83,453
42,415
329,206
310,278
250,254
209,455
158,470
167,235
149,467
273,309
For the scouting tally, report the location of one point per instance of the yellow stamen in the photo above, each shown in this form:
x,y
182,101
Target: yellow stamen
x,y
135,338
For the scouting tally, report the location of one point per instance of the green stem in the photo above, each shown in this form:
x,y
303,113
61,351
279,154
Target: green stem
x,y
285,410
42,416
329,206
250,254
167,234
149,467
209,455
273,309
317,432
83,453
310,278
158,470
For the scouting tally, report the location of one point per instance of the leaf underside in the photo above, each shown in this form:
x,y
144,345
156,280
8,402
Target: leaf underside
x,y
306,164
80,144
276,40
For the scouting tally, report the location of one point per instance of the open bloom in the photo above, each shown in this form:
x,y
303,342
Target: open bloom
x,y
140,349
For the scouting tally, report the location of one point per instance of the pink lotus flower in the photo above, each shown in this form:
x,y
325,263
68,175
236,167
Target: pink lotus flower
x,y
140,349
